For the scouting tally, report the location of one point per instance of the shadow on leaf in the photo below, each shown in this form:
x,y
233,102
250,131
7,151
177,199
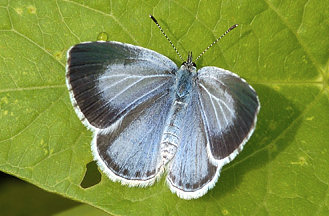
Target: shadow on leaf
x,y
277,117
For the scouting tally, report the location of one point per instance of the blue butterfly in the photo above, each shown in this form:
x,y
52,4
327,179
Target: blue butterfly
x,y
148,116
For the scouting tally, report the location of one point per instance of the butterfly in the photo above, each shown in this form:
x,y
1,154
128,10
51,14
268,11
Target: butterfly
x,y
149,117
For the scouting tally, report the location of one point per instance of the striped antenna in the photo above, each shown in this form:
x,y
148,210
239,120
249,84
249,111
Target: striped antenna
x,y
228,30
156,22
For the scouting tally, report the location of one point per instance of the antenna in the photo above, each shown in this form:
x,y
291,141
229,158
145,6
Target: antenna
x,y
156,22
228,30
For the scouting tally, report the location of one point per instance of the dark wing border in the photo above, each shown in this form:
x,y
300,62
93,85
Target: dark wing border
x,y
221,162
76,107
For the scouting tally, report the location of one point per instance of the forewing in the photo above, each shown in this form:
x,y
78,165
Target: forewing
x,y
230,107
191,172
130,153
109,79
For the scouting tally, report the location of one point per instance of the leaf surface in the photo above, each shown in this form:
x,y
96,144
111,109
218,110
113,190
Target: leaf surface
x,y
280,47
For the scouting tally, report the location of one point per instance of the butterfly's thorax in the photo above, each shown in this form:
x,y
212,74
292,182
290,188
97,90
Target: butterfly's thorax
x,y
172,132
183,83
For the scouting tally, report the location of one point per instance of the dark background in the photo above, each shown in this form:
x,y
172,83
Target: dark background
x,y
18,197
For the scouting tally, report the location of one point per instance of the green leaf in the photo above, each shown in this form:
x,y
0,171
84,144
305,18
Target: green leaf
x,y
82,210
280,48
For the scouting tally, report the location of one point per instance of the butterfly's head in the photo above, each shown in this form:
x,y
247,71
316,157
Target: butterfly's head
x,y
189,64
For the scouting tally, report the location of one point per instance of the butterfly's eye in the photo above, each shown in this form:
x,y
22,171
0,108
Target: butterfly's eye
x,y
184,63
193,64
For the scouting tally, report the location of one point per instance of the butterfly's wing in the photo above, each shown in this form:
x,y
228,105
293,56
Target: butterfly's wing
x,y
229,110
130,153
191,172
122,93
109,79
220,118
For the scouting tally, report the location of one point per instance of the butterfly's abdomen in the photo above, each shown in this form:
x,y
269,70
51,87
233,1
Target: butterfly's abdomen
x,y
172,132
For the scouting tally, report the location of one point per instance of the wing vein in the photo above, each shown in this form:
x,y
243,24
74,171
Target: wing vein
x,y
87,108
146,94
125,89
134,76
214,78
212,104
100,91
114,84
